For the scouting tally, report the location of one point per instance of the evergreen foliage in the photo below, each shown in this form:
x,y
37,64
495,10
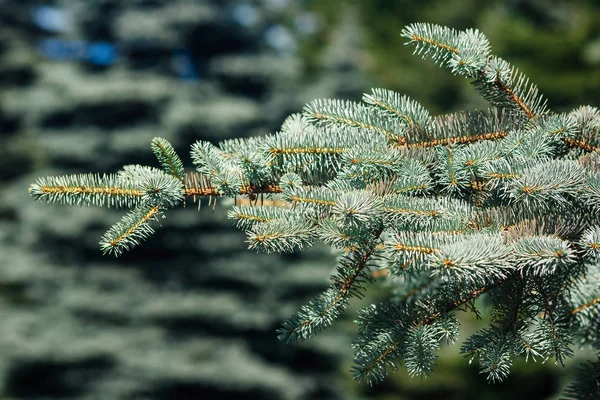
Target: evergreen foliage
x,y
501,203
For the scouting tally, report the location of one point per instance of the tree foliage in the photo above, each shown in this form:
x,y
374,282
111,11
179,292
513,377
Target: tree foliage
x,y
500,203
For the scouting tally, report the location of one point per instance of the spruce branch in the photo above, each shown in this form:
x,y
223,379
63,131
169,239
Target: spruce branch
x,y
467,53
504,86
131,230
410,251
381,326
399,106
463,128
311,198
413,178
442,209
587,383
583,299
590,242
473,50
282,235
587,136
325,308
475,260
357,116
248,216
437,42
586,306
443,214
493,349
547,183
168,158
543,255
420,353
368,165
88,189
381,342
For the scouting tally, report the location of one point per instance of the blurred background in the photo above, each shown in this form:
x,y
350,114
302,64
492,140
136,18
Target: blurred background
x,y
86,84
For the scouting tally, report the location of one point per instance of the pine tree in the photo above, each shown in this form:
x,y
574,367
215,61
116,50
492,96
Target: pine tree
x,y
444,209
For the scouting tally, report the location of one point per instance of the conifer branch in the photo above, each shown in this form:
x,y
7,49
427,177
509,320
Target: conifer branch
x,y
130,231
438,42
469,296
401,106
467,54
373,366
582,144
587,129
357,116
168,158
459,140
583,307
306,150
587,383
513,96
462,128
320,313
87,189
199,185
443,209
281,236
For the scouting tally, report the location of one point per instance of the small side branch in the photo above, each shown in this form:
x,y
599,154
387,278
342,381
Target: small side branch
x,y
513,96
586,306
